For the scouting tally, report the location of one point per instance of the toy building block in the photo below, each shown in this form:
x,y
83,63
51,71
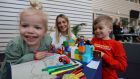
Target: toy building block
x,y
67,49
71,42
81,49
77,55
87,56
73,48
65,43
60,51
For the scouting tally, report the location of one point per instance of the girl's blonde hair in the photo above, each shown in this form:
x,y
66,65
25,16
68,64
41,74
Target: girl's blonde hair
x,y
35,9
57,29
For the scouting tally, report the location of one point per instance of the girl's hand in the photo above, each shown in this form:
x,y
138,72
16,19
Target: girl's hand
x,y
40,55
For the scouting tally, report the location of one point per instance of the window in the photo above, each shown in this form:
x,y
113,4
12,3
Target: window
x,y
132,0
136,1
133,22
124,21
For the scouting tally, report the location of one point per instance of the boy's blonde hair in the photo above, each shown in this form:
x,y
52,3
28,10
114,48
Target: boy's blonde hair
x,y
57,29
107,19
35,9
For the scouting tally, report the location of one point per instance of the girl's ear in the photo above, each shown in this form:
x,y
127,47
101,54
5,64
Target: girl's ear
x,y
46,30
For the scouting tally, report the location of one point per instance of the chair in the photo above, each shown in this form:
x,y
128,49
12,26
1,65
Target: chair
x,y
133,56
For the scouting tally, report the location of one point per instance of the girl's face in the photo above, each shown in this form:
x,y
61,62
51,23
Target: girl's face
x,y
62,25
102,30
32,29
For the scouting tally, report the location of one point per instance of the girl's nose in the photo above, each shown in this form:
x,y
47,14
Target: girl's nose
x,y
30,30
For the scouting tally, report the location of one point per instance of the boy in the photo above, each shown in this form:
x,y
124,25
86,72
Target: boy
x,y
112,52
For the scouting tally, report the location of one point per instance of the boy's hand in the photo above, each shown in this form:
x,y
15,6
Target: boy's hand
x,y
102,54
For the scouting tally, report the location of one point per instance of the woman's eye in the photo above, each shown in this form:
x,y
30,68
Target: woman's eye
x,y
59,23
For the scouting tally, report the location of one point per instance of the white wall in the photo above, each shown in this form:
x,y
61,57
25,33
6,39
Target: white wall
x,y
78,11
115,8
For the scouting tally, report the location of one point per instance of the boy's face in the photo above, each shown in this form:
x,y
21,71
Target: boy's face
x,y
102,30
62,24
32,29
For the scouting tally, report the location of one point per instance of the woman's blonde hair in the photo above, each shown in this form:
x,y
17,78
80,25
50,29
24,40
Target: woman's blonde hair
x,y
36,8
57,29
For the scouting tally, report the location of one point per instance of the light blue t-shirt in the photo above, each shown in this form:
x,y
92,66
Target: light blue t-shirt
x,y
62,38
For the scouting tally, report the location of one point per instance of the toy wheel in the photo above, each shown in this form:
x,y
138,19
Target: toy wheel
x,y
60,59
65,62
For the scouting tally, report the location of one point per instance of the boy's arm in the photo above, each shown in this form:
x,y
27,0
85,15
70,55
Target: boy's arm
x,y
14,55
119,61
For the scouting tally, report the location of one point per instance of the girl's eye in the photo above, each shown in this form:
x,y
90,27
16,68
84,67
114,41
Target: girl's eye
x,y
37,27
25,25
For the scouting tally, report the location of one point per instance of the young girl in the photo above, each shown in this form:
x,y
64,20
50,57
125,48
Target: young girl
x,y
112,52
33,41
63,32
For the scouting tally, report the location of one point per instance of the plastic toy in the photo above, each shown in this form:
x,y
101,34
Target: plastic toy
x,y
97,55
87,56
64,59
60,51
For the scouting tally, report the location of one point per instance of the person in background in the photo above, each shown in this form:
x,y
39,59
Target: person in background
x,y
137,28
62,33
33,42
137,31
117,31
112,51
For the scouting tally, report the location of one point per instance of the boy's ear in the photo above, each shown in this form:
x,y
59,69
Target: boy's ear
x,y
110,30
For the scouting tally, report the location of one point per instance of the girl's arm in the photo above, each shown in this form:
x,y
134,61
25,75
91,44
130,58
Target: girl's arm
x,y
14,54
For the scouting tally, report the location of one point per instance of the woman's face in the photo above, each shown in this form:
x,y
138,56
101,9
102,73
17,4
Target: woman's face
x,y
62,25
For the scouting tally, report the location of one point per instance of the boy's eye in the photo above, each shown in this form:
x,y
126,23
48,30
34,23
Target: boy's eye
x,y
98,28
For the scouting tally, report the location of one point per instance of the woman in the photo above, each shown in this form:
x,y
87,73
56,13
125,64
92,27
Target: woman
x,y
62,32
